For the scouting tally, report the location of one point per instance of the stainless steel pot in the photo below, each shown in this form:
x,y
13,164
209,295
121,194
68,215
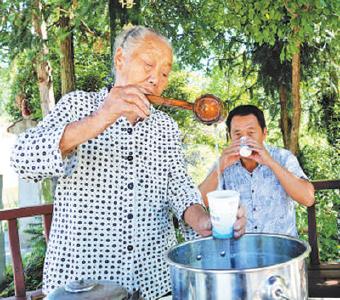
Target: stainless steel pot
x,y
256,266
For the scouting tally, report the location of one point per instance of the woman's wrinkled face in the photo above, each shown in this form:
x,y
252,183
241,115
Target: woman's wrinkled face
x,y
147,64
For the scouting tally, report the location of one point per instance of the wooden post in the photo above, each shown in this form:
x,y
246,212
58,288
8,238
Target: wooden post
x,y
67,73
18,269
2,241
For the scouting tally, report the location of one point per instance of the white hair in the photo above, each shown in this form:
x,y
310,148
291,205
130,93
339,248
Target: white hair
x,y
128,38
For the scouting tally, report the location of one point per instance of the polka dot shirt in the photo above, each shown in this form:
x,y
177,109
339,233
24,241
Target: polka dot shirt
x,y
115,196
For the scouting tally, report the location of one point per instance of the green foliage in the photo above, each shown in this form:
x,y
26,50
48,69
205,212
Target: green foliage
x,y
15,28
23,81
179,237
331,117
20,44
47,190
204,29
291,22
328,202
92,74
178,89
272,72
199,158
4,87
93,69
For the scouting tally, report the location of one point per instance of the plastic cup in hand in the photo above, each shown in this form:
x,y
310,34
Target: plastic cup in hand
x,y
245,150
223,206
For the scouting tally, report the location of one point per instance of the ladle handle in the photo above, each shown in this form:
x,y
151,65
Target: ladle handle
x,y
169,102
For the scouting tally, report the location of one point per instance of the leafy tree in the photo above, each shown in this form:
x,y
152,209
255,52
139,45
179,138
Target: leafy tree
x,y
294,23
23,27
201,29
121,14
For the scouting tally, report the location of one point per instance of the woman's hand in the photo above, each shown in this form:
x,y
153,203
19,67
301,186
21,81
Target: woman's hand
x,y
125,101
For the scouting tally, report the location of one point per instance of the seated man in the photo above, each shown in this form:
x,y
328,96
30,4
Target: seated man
x,y
268,180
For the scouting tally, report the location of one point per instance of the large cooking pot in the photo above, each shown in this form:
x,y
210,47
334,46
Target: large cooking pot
x,y
256,266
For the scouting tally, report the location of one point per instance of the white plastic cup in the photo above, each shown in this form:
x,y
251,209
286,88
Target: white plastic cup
x,y
245,150
223,206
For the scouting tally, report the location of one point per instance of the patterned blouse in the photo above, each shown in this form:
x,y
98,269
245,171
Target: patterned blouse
x,y
115,196
269,208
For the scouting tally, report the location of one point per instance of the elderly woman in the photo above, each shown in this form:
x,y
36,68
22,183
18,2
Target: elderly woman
x,y
120,173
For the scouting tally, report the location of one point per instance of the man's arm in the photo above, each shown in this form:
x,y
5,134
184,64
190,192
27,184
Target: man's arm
x,y
298,189
229,156
209,184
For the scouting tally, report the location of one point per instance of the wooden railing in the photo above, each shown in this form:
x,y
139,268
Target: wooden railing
x,y
317,274
312,232
12,216
323,278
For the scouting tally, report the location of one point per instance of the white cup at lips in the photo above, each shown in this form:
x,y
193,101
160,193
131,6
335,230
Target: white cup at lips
x,y
245,150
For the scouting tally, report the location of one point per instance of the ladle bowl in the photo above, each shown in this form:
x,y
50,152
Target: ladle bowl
x,y
207,108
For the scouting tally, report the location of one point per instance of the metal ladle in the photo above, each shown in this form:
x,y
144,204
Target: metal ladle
x,y
207,108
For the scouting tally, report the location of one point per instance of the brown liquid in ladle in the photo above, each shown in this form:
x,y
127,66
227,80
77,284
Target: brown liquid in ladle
x,y
207,108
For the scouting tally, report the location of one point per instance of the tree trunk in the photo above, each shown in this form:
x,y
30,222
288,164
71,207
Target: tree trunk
x,y
284,117
114,8
120,16
67,73
296,116
44,70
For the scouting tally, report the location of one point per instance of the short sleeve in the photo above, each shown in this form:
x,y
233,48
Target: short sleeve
x,y
293,166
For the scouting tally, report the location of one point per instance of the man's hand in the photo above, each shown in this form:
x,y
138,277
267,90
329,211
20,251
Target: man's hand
x,y
124,101
259,153
241,221
230,155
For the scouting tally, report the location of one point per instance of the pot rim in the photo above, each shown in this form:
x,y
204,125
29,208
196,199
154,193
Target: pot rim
x,y
242,271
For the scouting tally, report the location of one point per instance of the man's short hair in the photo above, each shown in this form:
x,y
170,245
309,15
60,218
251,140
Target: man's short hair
x,y
245,110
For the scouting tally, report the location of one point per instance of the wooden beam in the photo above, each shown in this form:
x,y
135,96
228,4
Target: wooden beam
x,y
28,211
326,184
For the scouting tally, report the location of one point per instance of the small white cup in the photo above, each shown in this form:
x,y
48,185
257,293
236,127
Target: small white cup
x,y
223,206
245,150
